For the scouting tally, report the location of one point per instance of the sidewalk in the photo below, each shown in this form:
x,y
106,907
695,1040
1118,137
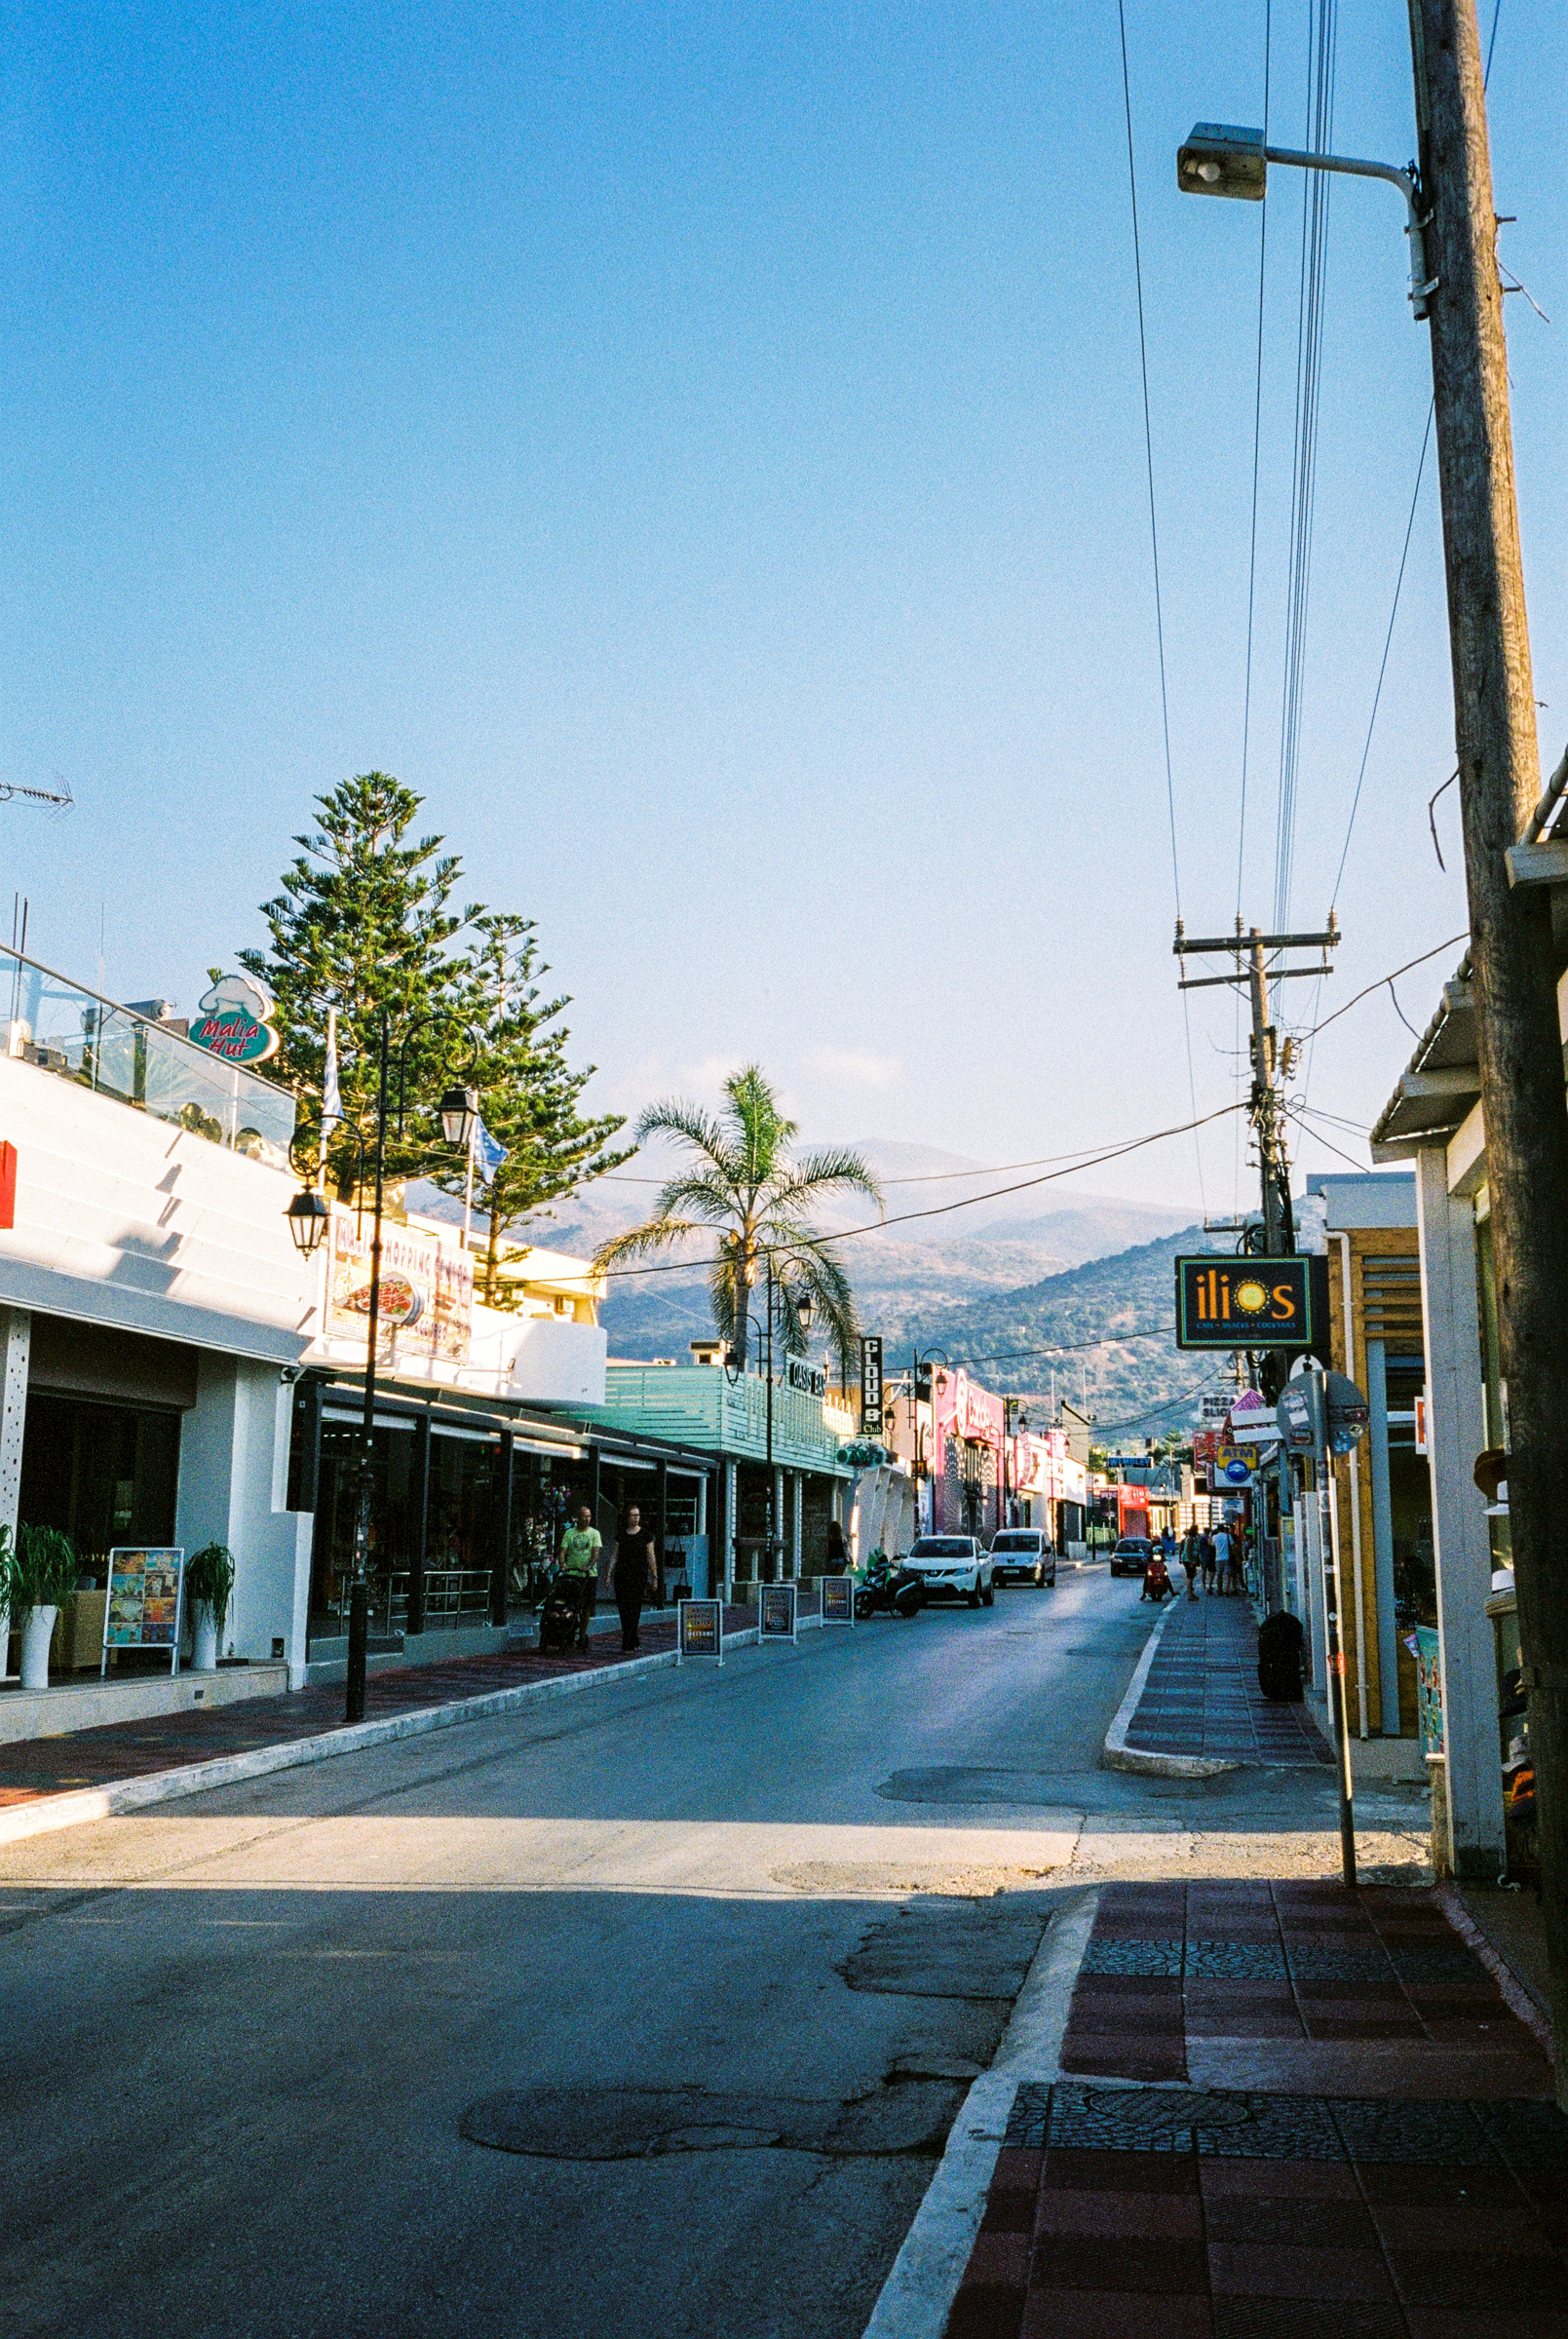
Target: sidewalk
x,y
1347,2136
33,1769
1202,1696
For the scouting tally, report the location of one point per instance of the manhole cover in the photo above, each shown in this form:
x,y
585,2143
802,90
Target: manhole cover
x,y
1144,2110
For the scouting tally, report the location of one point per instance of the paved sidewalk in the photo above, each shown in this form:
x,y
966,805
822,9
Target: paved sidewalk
x,y
1354,2138
1202,1696
31,1769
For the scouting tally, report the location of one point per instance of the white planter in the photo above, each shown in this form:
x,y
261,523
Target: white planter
x,y
37,1630
204,1639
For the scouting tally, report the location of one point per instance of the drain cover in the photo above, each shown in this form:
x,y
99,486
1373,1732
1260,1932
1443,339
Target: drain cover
x,y
1148,2109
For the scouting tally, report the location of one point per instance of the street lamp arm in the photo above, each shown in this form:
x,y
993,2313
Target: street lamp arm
x,y
1409,182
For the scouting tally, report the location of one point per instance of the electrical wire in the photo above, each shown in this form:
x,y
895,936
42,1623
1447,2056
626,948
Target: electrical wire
x,y
1154,543
1435,951
1252,598
943,1209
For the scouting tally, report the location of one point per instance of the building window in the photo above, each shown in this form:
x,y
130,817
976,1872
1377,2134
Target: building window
x,y
106,1475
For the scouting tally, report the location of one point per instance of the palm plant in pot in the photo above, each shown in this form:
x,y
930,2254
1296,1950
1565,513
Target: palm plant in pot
x,y
40,1577
208,1588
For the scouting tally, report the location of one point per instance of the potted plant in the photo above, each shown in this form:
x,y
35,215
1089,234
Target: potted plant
x,y
41,1577
208,1588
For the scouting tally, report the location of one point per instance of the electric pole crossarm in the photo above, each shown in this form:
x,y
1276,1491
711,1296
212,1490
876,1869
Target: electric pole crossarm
x,y
1242,943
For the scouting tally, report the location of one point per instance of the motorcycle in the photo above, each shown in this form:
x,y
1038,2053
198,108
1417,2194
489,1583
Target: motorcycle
x,y
884,1588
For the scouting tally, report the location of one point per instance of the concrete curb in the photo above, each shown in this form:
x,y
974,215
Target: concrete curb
x,y
1120,1756
1516,1997
79,1809
917,2297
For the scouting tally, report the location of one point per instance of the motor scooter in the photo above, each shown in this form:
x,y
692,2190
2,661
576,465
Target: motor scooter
x,y
887,1589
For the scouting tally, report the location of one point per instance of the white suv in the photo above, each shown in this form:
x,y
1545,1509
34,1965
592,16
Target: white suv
x,y
953,1564
1023,1552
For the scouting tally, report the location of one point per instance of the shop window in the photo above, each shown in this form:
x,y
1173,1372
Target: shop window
x,y
395,1524
106,1475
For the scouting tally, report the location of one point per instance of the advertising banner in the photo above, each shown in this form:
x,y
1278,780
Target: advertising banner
x,y
1423,1645
776,1612
838,1599
871,1386
426,1306
700,1631
1240,1303
142,1609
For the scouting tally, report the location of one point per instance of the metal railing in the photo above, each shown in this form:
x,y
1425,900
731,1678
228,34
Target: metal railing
x,y
61,1027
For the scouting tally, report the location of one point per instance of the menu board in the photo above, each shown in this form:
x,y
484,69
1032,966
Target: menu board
x,y
776,1612
838,1599
700,1630
142,1609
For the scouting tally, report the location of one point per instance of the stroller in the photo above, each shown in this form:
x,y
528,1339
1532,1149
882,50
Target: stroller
x,y
559,1616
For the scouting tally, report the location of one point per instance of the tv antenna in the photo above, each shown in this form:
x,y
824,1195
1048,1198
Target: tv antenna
x,y
59,797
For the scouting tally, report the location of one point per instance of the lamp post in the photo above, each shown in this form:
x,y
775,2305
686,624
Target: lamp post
x,y
801,1301
1015,1417
920,1359
309,1216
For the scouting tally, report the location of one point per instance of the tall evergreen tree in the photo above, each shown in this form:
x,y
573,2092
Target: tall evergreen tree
x,y
528,1093
364,923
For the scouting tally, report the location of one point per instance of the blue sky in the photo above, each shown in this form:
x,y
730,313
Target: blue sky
x,y
701,451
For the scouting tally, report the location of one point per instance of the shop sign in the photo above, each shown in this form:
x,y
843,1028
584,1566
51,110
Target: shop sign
x,y
1244,1303
1234,1464
426,1304
976,1411
700,1630
810,1379
142,1609
871,1385
776,1612
235,1022
838,1599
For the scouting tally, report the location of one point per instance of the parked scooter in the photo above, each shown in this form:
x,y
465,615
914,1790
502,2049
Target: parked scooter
x,y
884,1588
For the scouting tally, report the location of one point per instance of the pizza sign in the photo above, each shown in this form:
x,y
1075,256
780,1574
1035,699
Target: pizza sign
x,y
235,1022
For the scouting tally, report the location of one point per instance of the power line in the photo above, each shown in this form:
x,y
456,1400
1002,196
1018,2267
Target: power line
x,y
943,1209
1154,542
1435,951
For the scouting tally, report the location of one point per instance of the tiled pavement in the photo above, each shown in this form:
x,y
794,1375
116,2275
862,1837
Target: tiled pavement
x,y
1380,2203
1202,1696
32,1768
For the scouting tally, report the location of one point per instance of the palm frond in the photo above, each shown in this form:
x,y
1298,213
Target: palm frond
x,y
827,1173
675,1116
641,1242
699,1191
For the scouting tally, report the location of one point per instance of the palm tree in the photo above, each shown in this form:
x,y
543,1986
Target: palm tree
x,y
742,1187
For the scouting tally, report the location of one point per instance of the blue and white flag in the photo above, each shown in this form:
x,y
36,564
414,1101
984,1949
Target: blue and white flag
x,y
488,1153
331,1095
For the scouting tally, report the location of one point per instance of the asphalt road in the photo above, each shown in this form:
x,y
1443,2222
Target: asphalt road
x,y
643,2012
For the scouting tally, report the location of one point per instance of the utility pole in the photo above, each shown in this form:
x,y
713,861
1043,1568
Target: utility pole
x,y
1514,968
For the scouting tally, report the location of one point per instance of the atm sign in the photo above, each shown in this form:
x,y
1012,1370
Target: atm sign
x,y
1243,1303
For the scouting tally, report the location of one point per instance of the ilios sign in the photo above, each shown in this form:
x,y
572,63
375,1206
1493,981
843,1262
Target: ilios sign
x,y
235,1022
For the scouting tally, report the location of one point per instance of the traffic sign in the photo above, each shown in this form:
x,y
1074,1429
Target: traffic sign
x,y
1319,1408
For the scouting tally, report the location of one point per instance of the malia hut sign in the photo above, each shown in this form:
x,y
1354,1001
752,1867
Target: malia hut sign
x,y
235,1022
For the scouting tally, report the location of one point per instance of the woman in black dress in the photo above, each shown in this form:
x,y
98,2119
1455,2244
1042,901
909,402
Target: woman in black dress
x,y
635,1574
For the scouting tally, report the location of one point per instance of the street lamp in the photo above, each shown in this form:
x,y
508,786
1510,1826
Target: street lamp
x,y
774,1292
1218,159
309,1215
919,1358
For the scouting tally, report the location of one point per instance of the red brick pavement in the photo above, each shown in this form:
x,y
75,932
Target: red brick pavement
x,y
35,1767
1374,2208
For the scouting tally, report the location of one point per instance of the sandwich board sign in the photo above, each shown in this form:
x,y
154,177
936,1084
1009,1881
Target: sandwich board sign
x,y
838,1599
700,1630
142,1609
776,1612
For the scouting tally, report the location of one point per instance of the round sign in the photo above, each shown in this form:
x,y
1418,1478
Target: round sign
x,y
1347,1412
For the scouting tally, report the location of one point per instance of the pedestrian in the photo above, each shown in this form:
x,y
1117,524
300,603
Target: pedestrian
x,y
1189,1561
838,1558
634,1572
1237,1560
579,1548
1222,1558
1205,1559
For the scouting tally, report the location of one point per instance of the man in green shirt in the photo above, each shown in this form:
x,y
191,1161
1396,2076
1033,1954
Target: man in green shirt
x,y
579,1548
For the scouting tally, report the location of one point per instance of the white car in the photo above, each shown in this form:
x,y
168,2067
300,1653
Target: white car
x,y
1025,1552
955,1566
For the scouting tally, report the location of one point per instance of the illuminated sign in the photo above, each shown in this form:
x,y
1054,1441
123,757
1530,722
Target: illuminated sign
x,y
1248,1303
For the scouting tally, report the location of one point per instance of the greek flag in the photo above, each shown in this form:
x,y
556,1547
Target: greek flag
x,y
487,1152
331,1095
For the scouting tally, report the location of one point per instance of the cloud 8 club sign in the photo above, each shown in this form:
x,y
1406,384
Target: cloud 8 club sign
x,y
1246,1303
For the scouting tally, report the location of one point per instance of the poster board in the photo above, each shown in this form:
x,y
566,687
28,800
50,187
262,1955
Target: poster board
x,y
700,1631
1423,1647
144,1608
838,1599
777,1612
426,1302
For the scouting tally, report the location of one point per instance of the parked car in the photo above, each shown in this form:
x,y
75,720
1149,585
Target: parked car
x,y
954,1566
1131,1555
1023,1556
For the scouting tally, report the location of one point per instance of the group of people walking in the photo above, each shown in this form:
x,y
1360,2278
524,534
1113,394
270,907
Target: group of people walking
x,y
1217,1559
634,1572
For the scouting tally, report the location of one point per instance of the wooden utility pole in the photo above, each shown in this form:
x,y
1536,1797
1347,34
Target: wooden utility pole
x,y
1521,1064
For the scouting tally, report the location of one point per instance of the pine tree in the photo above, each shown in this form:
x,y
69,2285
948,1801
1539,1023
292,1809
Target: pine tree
x,y
528,1093
363,924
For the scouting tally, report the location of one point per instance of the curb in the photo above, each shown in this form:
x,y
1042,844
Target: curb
x,y
1120,1756
1516,1997
917,2297
87,1804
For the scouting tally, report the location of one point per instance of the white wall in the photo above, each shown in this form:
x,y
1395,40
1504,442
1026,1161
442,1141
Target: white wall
x,y
228,1484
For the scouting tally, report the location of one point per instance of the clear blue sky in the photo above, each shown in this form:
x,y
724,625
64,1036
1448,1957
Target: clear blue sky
x,y
701,451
